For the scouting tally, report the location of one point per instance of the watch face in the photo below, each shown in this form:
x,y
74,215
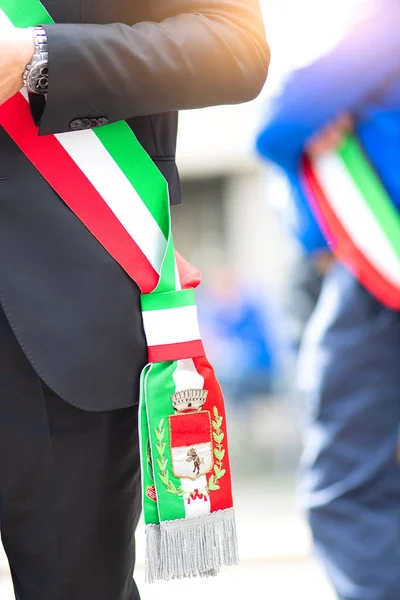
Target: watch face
x,y
39,78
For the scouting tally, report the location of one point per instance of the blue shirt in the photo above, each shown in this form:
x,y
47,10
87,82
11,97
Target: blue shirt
x,y
361,76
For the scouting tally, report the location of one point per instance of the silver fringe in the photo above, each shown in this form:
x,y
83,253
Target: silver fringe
x,y
152,557
196,547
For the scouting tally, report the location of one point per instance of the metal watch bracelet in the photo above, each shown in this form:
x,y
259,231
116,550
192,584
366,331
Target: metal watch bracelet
x,y
36,74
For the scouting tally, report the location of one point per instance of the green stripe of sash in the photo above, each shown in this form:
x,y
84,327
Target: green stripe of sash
x,y
150,508
26,16
372,190
161,385
120,142
168,300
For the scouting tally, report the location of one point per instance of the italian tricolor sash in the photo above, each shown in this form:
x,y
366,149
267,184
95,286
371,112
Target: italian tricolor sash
x,y
114,188
357,216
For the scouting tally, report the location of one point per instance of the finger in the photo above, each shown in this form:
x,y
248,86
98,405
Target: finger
x,y
345,123
327,141
333,138
330,137
316,143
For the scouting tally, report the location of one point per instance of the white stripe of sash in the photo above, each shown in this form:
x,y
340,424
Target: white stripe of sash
x,y
171,326
186,377
4,20
87,151
356,217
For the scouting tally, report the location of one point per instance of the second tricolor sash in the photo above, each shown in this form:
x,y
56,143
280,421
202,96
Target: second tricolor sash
x,y
357,216
111,184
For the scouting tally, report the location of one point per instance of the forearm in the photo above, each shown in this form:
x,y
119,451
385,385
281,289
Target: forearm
x,y
118,72
23,51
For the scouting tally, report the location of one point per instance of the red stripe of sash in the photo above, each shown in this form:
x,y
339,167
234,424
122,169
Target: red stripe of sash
x,y
179,351
219,499
53,162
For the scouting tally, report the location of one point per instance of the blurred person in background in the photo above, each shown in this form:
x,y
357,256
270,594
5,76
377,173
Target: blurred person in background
x,y
302,293
349,362
306,270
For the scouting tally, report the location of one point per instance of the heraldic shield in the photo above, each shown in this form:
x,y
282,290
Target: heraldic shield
x,y
191,444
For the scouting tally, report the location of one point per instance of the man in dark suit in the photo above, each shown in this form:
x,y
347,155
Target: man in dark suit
x,y
71,338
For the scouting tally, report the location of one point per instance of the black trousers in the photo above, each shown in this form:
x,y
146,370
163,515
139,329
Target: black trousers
x,y
69,489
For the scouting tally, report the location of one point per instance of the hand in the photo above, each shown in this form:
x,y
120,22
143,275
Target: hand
x,y
17,51
330,137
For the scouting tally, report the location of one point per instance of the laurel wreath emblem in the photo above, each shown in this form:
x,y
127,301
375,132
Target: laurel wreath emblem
x,y
219,454
162,462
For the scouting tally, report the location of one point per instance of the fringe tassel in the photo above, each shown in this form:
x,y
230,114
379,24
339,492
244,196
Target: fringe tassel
x,y
196,547
152,557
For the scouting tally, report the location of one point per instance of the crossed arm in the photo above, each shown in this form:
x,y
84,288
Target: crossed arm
x,y
190,54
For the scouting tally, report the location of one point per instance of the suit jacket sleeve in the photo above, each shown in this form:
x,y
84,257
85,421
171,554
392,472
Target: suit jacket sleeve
x,y
193,53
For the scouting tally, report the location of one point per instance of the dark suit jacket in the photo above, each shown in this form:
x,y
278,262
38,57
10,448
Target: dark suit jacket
x,y
73,309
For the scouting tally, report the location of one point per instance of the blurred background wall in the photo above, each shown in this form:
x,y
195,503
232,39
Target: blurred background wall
x,y
225,216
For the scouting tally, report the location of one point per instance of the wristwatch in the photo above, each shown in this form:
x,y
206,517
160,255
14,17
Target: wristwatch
x,y
36,75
